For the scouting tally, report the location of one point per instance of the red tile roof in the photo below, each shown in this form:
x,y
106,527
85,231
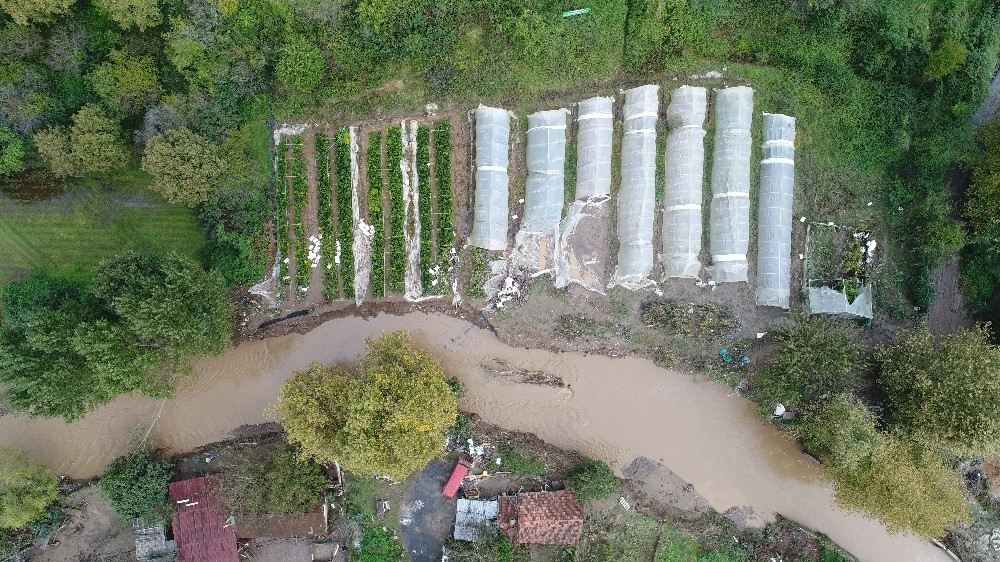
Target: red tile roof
x,y
541,517
200,522
455,481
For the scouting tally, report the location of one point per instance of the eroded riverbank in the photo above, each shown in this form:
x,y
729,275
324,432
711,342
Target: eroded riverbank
x,y
614,409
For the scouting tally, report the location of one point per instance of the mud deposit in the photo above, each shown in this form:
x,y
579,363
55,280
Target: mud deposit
x,y
614,409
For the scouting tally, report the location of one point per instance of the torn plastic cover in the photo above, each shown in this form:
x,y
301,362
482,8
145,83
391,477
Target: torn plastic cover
x,y
489,224
685,174
824,300
637,197
593,147
546,163
774,232
730,210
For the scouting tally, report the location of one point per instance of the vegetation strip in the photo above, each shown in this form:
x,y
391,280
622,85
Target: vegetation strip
x,y
442,169
397,251
301,192
281,216
345,219
375,215
328,246
424,207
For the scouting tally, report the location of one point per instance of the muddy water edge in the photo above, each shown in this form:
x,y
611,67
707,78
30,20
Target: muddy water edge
x,y
612,409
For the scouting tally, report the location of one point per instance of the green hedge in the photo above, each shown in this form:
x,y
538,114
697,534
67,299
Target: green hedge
x,y
424,206
301,192
442,169
345,218
375,215
397,246
280,216
328,247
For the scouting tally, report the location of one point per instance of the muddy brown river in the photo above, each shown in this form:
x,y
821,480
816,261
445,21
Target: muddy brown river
x,y
614,409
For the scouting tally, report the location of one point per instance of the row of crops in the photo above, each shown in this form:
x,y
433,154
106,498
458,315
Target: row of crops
x,y
406,191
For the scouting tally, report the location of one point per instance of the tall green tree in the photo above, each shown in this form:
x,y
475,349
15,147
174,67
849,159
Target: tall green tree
x,y
92,144
26,489
11,151
138,14
185,166
388,418
35,11
136,485
126,82
946,390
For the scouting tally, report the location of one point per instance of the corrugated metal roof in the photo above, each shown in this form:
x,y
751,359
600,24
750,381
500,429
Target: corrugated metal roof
x,y
471,515
199,522
455,481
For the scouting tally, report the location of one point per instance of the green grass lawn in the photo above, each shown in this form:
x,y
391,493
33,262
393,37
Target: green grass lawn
x,y
70,234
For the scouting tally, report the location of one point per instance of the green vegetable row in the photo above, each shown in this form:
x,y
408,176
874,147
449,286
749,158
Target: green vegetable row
x,y
442,169
424,206
375,215
397,243
280,216
328,246
345,216
301,192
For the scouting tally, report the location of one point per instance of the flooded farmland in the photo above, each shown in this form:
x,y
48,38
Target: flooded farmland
x,y
613,409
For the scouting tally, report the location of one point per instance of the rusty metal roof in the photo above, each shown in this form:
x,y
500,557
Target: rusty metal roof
x,y
199,523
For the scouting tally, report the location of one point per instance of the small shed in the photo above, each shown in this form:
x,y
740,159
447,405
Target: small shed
x,y
472,515
150,540
200,523
541,518
456,478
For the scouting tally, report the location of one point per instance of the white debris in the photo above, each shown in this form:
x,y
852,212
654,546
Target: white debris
x,y
802,256
779,410
802,219
761,334
869,203
624,503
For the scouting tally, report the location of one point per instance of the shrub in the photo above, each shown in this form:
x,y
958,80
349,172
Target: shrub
x,y
281,483
514,461
300,64
186,167
816,357
389,420
11,151
948,57
946,390
26,489
375,215
378,545
842,432
136,485
487,546
592,480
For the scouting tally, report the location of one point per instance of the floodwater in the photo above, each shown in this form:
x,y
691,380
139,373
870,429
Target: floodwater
x,y
613,409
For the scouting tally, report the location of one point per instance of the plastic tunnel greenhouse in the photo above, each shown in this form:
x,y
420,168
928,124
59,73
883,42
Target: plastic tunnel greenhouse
x,y
593,147
685,164
637,198
730,211
774,233
489,223
546,162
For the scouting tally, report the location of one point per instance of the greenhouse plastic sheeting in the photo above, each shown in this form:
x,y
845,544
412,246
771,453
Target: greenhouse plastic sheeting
x,y
685,171
593,147
546,163
637,198
774,232
824,300
730,211
489,223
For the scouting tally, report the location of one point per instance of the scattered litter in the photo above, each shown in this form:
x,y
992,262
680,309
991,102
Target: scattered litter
x,y
802,256
779,410
761,334
802,219
899,208
624,503
869,203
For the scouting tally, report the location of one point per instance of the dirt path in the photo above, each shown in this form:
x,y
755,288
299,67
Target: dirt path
x,y
310,217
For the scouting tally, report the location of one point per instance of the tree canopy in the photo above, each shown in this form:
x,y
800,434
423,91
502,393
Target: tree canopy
x,y
35,11
92,144
126,82
301,64
26,489
388,416
136,485
68,346
12,151
945,390
139,14
185,166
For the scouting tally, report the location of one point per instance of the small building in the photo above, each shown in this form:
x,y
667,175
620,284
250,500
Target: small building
x,y
457,476
150,540
201,526
541,518
473,515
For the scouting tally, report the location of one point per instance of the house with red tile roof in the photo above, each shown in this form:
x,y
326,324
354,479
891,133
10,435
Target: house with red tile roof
x,y
201,528
541,518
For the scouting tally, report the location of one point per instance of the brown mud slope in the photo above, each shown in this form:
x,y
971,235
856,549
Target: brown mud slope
x,y
614,409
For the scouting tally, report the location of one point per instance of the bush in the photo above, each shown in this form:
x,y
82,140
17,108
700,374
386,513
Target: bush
x,y
592,480
378,545
514,461
488,546
282,483
842,432
816,357
389,420
945,59
136,485
11,151
946,390
26,489
300,65
186,167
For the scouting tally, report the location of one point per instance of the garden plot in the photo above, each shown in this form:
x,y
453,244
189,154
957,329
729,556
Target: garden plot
x,y
837,270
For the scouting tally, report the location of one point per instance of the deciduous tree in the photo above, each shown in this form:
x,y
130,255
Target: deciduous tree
x,y
185,166
92,144
139,14
11,151
945,390
26,489
301,64
136,485
126,82
35,11
389,418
